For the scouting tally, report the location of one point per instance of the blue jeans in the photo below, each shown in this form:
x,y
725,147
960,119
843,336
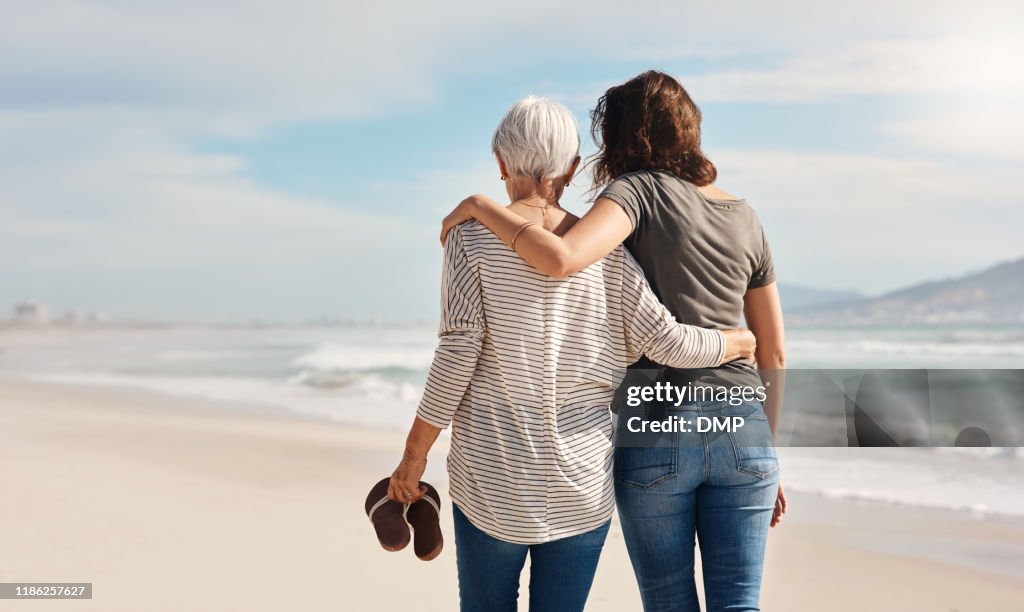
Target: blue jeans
x,y
561,571
718,488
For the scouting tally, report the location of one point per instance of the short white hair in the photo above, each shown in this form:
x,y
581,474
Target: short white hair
x,y
537,138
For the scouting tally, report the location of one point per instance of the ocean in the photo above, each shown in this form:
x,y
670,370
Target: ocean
x,y
373,376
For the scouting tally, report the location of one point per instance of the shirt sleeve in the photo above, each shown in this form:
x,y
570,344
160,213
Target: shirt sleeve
x,y
764,272
460,336
626,193
651,330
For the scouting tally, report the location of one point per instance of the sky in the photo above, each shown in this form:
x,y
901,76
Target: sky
x,y
239,161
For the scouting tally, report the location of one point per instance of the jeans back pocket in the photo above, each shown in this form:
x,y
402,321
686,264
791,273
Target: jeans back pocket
x,y
645,467
754,446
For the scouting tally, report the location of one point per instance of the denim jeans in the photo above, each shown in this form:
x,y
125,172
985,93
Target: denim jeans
x,y
718,488
561,571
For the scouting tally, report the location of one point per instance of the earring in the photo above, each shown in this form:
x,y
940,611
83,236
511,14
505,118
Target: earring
x,y
502,178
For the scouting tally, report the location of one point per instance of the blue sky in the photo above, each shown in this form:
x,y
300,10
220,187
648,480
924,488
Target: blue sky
x,y
231,161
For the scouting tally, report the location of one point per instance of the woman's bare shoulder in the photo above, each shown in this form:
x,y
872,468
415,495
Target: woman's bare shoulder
x,y
712,191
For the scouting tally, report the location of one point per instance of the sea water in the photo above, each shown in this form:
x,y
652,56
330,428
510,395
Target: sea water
x,y
373,376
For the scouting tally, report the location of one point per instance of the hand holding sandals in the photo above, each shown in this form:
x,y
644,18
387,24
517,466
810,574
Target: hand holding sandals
x,y
405,480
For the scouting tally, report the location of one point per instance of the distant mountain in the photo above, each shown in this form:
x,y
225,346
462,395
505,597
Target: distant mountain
x,y
995,295
796,297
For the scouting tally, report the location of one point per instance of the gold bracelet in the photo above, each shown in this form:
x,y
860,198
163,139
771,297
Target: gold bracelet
x,y
520,231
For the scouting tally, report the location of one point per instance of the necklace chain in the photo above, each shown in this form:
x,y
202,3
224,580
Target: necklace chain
x,y
543,209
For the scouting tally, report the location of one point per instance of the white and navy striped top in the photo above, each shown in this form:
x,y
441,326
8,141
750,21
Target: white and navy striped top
x,y
525,372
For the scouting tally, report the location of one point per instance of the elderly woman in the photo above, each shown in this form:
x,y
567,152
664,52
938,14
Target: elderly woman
x,y
525,371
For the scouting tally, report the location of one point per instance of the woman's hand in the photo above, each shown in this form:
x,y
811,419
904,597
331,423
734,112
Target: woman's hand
x,y
781,505
739,344
405,481
463,212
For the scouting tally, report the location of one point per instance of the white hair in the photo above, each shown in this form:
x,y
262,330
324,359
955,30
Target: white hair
x,y
538,138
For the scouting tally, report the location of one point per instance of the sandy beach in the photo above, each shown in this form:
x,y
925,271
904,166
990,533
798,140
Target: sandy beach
x,y
167,504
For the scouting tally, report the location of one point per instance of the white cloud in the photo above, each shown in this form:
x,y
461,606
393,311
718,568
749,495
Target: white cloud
x,y
957,67
232,65
185,234
237,66
966,91
978,133
876,223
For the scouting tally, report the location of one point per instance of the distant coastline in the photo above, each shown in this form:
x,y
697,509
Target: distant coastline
x,y
994,296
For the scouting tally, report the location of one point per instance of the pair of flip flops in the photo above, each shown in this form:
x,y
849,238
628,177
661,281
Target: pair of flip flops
x,y
391,520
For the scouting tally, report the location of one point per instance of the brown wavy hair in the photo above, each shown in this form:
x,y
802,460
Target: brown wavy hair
x,y
648,123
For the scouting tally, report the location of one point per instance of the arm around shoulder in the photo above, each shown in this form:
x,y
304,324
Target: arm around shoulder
x,y
603,228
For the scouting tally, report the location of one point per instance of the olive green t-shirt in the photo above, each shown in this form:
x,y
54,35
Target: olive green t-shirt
x,y
699,254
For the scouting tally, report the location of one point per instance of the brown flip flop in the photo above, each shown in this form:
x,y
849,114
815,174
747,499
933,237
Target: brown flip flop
x,y
387,517
425,518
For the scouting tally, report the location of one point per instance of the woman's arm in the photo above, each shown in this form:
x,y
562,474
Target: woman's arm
x,y
458,350
763,313
678,345
603,228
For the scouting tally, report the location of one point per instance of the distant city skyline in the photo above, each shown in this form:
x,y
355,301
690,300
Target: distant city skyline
x,y
34,313
279,163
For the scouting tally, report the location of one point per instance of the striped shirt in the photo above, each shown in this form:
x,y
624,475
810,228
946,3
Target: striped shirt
x,y
525,372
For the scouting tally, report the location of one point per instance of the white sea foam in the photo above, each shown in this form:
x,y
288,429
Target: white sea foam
x,y
368,400
967,349
193,355
341,357
904,347
983,482
985,452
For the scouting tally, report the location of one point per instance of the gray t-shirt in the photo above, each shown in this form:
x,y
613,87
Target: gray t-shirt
x,y
699,254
